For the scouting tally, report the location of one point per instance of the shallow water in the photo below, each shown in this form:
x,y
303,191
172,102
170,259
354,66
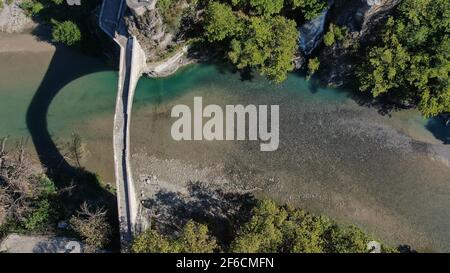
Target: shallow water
x,y
335,157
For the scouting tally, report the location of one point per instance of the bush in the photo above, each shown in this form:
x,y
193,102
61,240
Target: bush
x,y
310,8
313,66
66,32
193,239
31,7
334,34
40,218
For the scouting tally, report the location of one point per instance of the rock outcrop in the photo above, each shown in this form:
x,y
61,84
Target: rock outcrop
x,y
360,17
151,33
13,18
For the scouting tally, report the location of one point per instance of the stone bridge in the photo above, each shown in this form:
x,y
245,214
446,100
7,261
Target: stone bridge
x,y
132,63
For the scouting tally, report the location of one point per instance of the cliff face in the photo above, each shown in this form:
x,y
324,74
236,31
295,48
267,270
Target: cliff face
x,y
151,33
159,30
361,17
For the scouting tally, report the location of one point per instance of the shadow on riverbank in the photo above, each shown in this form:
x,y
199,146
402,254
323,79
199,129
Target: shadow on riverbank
x,y
84,186
221,211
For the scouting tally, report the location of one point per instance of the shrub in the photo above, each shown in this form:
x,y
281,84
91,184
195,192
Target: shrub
x,y
313,66
193,239
66,32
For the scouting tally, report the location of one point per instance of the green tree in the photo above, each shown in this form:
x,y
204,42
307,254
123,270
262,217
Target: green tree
x,y
220,22
263,233
31,7
194,238
309,8
412,60
66,32
273,228
313,66
150,241
267,44
40,218
348,240
260,7
334,33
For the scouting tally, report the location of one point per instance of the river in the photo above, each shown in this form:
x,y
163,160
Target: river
x,y
387,173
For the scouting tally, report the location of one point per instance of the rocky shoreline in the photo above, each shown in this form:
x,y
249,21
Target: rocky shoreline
x,y
13,19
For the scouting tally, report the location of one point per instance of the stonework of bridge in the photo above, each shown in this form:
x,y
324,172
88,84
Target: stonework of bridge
x,y
132,63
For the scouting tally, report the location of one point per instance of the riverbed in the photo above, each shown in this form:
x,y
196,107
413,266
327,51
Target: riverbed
x,y
388,174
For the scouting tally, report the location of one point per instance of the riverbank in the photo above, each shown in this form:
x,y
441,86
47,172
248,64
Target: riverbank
x,y
23,42
336,157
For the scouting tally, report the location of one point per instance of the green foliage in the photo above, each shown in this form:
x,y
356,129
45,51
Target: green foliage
x,y
272,228
9,2
334,33
66,32
284,229
220,22
261,7
151,241
310,8
412,60
264,231
40,218
193,239
58,2
313,66
47,187
1,4
163,5
267,44
348,240
31,7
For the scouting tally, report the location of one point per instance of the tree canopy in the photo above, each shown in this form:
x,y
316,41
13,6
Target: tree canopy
x,y
310,8
194,238
412,60
259,40
271,228
66,32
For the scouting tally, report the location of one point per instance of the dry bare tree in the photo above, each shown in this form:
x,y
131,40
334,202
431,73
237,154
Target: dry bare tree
x,y
18,181
92,225
76,149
